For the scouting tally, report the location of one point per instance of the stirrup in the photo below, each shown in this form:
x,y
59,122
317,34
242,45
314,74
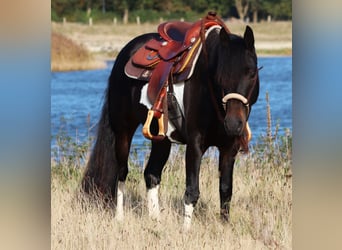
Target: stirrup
x,y
146,128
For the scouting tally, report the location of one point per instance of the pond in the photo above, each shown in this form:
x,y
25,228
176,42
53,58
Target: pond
x,y
77,98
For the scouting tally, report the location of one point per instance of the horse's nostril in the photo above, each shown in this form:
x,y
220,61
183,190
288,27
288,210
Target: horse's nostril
x,y
239,127
234,126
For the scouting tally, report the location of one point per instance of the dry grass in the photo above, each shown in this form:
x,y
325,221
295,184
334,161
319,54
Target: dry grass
x,y
106,40
68,55
260,210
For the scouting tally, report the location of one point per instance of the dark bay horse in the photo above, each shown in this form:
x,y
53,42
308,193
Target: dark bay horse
x,y
216,101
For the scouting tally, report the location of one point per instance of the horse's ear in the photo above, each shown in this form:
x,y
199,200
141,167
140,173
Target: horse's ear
x,y
224,36
249,38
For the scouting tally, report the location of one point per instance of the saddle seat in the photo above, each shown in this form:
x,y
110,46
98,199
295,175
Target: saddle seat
x,y
178,36
173,52
174,30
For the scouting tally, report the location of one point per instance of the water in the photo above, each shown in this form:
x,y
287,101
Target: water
x,y
77,98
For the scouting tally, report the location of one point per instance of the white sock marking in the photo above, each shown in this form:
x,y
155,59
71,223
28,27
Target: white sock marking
x,y
188,210
119,201
153,202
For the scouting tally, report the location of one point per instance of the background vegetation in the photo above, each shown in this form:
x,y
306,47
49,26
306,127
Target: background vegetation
x,y
153,10
68,55
99,29
103,41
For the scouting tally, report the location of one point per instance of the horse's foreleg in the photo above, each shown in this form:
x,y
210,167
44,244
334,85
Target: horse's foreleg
x,y
159,154
226,166
194,154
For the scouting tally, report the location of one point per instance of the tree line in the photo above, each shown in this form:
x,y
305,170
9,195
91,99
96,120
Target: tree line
x,y
153,10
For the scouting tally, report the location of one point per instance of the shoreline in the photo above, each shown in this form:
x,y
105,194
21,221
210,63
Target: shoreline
x,y
104,41
101,63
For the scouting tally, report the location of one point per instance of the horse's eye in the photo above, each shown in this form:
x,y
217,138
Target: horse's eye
x,y
252,73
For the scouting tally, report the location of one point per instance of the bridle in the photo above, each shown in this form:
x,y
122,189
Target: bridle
x,y
239,97
232,96
229,96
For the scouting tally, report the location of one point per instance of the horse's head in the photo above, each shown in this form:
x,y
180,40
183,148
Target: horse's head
x,y
236,77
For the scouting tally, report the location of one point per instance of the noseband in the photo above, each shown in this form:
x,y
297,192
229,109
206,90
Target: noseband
x,y
238,97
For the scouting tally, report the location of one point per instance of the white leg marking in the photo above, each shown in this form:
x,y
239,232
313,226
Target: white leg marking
x,y
153,202
188,210
119,202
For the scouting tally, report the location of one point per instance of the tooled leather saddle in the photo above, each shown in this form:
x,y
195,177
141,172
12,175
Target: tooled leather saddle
x,y
168,59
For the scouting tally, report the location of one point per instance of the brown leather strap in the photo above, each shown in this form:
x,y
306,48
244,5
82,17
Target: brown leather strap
x,y
158,79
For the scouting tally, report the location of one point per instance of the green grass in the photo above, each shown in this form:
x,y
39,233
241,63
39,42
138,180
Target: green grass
x,y
274,52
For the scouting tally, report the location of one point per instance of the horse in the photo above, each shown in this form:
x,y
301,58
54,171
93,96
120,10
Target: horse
x,y
216,102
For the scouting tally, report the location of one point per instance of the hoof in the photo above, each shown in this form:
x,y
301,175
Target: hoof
x,y
224,216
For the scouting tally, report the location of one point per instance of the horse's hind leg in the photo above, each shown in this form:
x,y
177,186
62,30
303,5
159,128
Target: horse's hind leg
x,y
122,147
159,154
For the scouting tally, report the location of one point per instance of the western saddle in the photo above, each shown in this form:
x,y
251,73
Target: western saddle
x,y
166,60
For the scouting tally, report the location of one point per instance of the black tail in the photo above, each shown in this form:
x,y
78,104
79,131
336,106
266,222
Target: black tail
x,y
101,174
100,177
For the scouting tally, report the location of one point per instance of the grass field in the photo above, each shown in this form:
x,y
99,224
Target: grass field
x,y
104,41
261,207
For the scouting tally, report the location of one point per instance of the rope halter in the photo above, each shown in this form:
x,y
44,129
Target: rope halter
x,y
235,96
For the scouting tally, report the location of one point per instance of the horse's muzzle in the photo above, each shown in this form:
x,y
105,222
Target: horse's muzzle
x,y
237,110
234,126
